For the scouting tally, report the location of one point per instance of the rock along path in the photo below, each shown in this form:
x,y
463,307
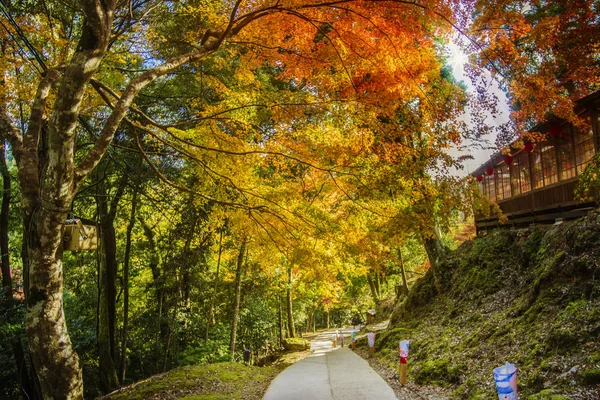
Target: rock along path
x,y
329,374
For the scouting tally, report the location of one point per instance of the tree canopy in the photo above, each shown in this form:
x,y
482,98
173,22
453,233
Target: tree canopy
x,y
236,154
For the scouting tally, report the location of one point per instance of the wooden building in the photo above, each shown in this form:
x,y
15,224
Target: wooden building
x,y
536,183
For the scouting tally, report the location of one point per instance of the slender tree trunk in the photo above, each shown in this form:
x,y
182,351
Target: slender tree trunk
x,y
185,282
436,251
211,310
123,357
281,330
4,213
374,292
168,340
236,304
326,319
185,267
29,389
290,312
153,261
108,284
403,272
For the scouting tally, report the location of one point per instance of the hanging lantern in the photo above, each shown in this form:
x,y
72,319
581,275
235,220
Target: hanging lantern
x,y
479,178
555,131
489,171
508,159
79,237
528,148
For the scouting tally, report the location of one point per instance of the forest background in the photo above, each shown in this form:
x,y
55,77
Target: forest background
x,y
253,169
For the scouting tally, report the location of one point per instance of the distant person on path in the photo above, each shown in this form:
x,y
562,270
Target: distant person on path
x,y
356,321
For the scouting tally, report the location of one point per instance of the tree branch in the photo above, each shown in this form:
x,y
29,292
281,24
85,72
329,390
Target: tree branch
x,y
185,189
10,132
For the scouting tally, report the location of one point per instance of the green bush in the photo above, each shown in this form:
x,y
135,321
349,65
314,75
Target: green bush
x,y
211,352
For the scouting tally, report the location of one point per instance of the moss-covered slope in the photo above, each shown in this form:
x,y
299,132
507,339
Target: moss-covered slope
x,y
219,381
530,297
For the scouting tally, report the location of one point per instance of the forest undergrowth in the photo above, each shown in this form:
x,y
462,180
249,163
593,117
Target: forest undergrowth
x,y
525,296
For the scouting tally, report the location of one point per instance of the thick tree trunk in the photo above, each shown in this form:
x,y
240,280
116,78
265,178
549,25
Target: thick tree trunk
x,y
123,357
290,311
236,303
54,359
211,310
47,196
6,273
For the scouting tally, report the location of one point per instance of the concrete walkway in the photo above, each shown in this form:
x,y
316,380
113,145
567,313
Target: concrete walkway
x,y
329,374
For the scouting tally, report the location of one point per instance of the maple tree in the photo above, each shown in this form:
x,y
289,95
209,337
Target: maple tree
x,y
287,106
543,53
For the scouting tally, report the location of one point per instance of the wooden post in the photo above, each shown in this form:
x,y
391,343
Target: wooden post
x,y
371,343
403,352
403,368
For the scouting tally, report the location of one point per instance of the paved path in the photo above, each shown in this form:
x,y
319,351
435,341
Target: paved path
x,y
329,374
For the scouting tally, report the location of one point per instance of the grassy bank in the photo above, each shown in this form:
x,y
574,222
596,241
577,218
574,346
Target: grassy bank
x,y
530,297
220,381
203,382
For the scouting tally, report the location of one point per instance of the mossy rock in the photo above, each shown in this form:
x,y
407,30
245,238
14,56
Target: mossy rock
x,y
594,357
591,376
296,344
438,372
547,394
